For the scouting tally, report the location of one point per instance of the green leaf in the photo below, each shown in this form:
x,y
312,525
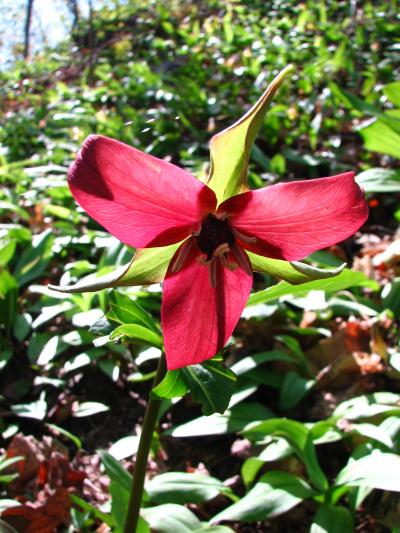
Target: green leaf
x,y
125,447
392,92
294,388
36,409
377,470
182,487
332,519
8,299
66,433
171,518
379,137
90,409
211,384
126,311
119,504
147,266
115,471
275,493
235,419
172,386
251,362
34,260
353,102
379,180
104,517
292,272
372,432
300,438
137,333
7,252
230,149
368,405
214,529
344,280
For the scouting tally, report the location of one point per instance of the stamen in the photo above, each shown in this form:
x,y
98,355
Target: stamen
x,y
244,238
230,266
221,216
212,271
182,255
242,259
202,259
221,250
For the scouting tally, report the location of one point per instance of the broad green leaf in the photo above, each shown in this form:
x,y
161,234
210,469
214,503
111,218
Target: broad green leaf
x,y
379,137
34,260
171,518
275,493
119,504
230,149
147,266
373,432
379,180
292,272
392,92
173,385
293,390
125,310
90,409
377,470
211,384
125,447
276,450
231,421
8,299
115,471
299,437
182,487
36,409
253,361
137,333
353,102
368,405
332,519
86,506
6,252
214,529
347,278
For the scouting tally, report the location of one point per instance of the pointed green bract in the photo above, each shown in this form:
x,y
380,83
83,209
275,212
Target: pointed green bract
x,y
230,149
147,266
294,272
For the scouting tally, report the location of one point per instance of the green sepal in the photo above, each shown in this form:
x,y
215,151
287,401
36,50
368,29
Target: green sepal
x,y
147,266
293,272
230,149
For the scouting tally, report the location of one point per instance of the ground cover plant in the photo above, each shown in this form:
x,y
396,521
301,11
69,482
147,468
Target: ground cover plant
x,y
295,424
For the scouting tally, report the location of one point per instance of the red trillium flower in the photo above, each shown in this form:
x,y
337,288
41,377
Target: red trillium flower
x,y
146,202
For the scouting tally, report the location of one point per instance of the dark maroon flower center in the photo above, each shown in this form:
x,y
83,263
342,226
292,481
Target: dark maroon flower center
x,y
213,233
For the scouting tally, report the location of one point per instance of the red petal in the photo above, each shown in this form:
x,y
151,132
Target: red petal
x,y
197,320
292,220
141,200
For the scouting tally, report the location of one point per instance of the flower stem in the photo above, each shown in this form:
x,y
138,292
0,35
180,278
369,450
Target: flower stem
x,y
149,422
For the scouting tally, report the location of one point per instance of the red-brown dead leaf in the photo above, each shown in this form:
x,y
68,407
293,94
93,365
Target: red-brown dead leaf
x,y
44,519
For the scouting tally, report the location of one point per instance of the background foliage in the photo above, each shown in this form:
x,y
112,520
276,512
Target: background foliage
x,y
306,436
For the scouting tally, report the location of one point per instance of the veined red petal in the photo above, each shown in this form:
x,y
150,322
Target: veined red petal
x,y
141,200
292,220
197,319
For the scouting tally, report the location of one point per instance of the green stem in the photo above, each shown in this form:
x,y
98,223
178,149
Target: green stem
x,y
149,422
